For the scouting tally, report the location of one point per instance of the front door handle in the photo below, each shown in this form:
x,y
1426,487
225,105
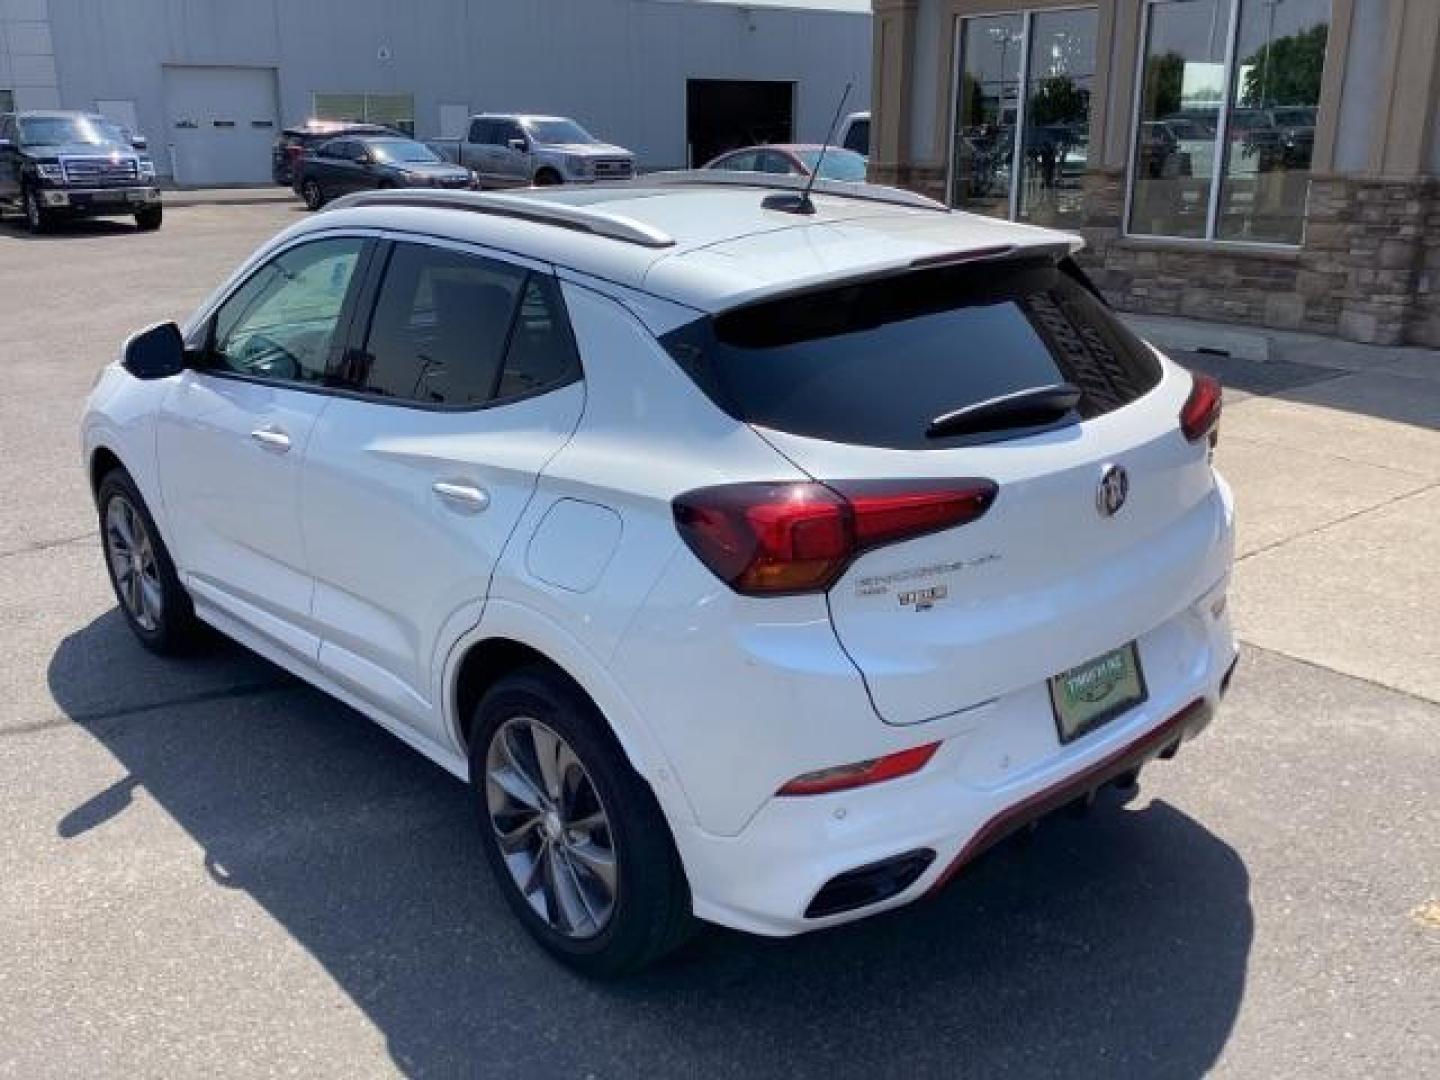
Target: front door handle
x,y
272,438
462,496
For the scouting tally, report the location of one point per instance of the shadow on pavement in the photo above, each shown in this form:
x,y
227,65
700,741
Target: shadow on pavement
x,y
1114,946
1383,395
70,228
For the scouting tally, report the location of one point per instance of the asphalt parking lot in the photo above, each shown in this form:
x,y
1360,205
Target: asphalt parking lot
x,y
207,868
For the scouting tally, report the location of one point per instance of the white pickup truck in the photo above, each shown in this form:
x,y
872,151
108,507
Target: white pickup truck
x,y
515,149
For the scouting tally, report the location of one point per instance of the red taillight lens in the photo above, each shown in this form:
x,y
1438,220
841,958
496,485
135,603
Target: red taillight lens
x,y
776,538
844,777
1202,409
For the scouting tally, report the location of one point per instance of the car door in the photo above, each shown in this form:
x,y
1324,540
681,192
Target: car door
x,y
512,165
483,156
464,382
232,434
346,168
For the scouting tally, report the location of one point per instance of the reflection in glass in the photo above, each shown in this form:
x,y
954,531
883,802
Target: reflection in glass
x,y
1279,57
991,52
1057,116
1180,101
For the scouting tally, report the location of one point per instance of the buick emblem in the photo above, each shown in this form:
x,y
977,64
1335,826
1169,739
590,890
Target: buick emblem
x,y
1113,488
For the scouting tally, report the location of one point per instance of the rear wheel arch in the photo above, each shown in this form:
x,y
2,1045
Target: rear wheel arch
x,y
512,637
103,461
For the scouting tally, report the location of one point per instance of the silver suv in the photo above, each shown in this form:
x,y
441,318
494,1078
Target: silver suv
x,y
513,150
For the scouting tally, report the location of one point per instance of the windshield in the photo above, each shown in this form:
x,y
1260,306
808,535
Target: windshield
x,y
401,150
838,164
59,130
558,131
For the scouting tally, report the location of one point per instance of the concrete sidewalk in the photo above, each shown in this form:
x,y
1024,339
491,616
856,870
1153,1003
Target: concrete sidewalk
x,y
255,195
1333,450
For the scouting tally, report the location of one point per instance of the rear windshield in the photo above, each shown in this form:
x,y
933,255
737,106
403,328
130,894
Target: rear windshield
x,y
873,363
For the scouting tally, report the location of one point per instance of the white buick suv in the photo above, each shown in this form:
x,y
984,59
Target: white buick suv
x,y
756,557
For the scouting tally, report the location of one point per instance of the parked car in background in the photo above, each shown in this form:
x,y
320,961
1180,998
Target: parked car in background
x,y
794,159
360,163
854,133
294,141
57,164
515,149
707,530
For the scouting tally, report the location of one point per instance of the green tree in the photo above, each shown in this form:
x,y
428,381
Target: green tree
x,y
1058,100
1164,78
1287,71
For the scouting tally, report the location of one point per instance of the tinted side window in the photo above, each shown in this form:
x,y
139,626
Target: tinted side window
x,y
542,352
477,132
773,162
874,363
741,162
440,328
282,322
858,137
508,129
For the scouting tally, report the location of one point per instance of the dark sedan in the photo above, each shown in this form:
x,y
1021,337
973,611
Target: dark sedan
x,y
295,141
341,166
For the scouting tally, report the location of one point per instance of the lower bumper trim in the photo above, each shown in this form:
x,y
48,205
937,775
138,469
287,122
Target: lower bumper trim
x,y
1162,740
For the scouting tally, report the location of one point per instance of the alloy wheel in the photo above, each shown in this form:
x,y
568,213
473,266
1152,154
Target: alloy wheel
x,y
551,827
132,561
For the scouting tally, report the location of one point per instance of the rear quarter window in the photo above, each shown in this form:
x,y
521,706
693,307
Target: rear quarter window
x,y
874,362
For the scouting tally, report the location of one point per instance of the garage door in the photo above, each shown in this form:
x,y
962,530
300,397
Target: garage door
x,y
221,122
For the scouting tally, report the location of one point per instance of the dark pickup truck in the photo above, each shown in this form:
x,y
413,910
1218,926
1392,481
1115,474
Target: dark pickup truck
x,y
72,164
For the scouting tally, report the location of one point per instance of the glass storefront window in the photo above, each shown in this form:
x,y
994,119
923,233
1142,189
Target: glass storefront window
x,y
1058,80
992,50
393,110
1270,137
1025,75
1229,94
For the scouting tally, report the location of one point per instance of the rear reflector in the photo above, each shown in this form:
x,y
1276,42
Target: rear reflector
x,y
845,777
1201,412
782,538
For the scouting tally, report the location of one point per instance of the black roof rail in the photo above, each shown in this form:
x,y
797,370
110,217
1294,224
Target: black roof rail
x,y
778,182
563,215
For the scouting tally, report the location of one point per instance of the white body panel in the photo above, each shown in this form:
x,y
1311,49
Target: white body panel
x,y
393,557
234,499
342,561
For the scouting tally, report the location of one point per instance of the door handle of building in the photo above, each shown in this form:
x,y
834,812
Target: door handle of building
x,y
272,439
467,498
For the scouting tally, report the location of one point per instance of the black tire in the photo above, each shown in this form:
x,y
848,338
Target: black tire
x,y
313,194
650,915
149,219
175,629
37,218
548,178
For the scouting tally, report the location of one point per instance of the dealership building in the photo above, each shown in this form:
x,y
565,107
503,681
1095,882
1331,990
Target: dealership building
x,y
1271,162
211,82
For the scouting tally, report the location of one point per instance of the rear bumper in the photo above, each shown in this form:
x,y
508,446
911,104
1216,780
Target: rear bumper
x,y
771,877
97,202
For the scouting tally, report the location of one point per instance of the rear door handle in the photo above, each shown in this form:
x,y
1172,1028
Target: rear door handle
x,y
272,438
462,496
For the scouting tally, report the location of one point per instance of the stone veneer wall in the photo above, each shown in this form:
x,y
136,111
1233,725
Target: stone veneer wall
x,y
1368,269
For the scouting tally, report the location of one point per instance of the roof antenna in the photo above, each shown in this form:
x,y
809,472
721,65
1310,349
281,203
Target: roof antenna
x,y
791,203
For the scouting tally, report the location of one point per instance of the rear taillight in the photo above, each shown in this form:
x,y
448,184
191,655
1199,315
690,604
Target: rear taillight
x,y
845,777
777,538
1201,413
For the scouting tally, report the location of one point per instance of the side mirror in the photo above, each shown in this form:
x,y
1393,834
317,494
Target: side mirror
x,y
156,353
139,142
519,144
